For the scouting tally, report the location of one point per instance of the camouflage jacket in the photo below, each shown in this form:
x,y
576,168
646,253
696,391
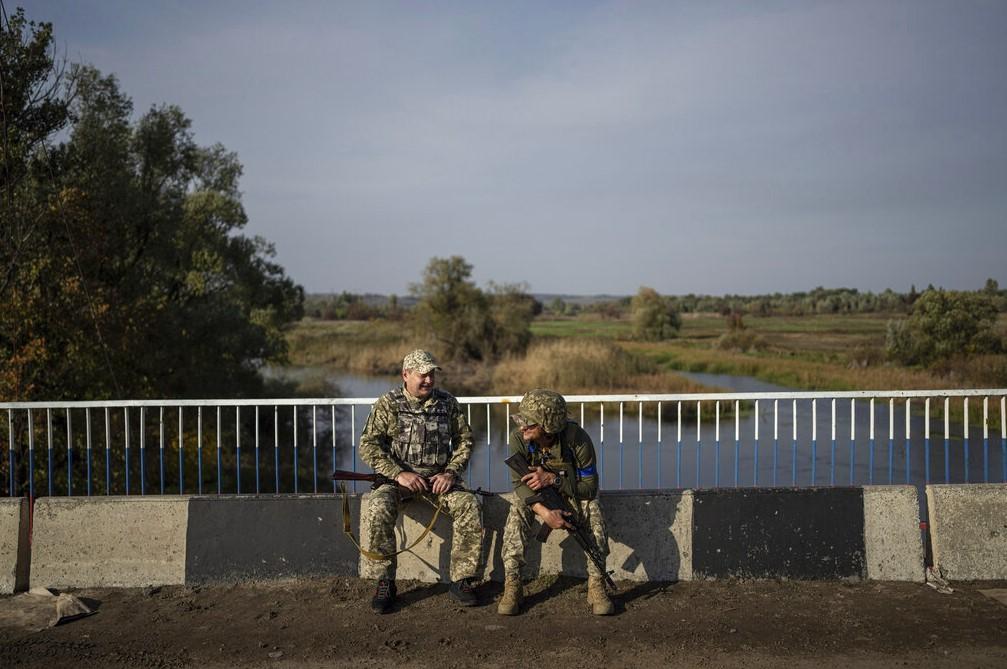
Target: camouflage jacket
x,y
423,436
572,457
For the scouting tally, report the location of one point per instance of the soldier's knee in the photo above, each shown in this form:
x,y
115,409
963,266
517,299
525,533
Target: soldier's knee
x,y
465,505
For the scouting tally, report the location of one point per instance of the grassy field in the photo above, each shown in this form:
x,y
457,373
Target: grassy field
x,y
820,352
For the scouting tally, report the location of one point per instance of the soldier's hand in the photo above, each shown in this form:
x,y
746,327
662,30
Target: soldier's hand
x,y
411,481
539,478
442,482
557,519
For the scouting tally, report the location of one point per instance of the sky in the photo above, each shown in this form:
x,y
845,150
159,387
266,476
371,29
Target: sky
x,y
590,147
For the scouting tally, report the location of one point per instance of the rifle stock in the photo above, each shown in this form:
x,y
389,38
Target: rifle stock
x,y
552,500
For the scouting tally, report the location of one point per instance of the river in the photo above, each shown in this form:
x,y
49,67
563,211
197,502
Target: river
x,y
634,452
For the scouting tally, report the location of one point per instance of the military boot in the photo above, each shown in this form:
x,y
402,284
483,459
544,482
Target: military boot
x,y
597,597
510,600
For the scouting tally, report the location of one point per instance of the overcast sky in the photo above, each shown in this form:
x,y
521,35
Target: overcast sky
x,y
591,147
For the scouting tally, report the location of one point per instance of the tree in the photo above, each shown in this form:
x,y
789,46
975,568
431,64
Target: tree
x,y
512,310
452,309
126,274
654,318
468,323
35,95
944,324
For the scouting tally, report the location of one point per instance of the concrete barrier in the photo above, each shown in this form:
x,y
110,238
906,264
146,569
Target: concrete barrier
x,y
807,533
109,541
14,545
666,536
968,528
892,541
239,538
153,540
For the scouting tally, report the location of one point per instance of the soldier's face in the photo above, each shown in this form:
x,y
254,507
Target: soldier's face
x,y
419,385
530,433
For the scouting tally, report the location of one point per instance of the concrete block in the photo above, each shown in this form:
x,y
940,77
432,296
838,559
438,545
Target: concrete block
x,y
649,539
86,542
238,538
14,545
968,529
649,535
805,533
892,542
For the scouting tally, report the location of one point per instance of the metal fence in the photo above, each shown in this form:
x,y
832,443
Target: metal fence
x,y
642,441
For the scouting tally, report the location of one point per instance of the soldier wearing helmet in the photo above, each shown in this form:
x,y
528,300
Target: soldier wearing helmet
x,y
417,437
562,455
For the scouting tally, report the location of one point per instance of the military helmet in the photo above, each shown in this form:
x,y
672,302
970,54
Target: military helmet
x,y
542,407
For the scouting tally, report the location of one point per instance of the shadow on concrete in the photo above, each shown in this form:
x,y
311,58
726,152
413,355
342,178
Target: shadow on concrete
x,y
654,557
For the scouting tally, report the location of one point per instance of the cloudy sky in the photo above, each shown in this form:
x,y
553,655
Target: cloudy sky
x,y
591,147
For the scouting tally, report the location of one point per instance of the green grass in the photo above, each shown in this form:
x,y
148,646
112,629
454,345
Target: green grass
x,y
817,352
598,329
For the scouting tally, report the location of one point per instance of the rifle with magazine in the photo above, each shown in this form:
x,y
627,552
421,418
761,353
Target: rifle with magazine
x,y
552,500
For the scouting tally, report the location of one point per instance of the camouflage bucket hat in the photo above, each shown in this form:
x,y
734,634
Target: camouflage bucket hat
x,y
420,361
542,407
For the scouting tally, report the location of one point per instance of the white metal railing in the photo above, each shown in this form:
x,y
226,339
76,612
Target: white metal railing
x,y
288,445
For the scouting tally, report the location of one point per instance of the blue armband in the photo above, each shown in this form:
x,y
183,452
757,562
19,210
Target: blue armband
x,y
587,471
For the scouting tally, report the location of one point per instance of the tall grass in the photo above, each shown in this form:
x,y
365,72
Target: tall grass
x,y
363,347
584,366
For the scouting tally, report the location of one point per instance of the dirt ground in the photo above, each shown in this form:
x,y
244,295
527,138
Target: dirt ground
x,y
327,622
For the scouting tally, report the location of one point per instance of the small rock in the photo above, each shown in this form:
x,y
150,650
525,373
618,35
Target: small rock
x,y
276,654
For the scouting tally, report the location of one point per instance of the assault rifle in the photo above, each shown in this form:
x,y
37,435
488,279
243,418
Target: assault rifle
x,y
552,500
379,480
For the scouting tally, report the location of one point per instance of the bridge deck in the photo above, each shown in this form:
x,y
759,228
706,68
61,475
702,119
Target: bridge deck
x,y
724,624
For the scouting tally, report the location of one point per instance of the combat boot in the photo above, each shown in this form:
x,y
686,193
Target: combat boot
x,y
597,597
510,600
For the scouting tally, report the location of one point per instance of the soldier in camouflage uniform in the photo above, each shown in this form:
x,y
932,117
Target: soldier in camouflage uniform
x,y
417,436
561,455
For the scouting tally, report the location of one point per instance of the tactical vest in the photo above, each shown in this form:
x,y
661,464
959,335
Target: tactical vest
x,y
423,440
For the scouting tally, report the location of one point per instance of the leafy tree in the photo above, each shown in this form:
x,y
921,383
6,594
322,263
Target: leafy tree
x,y
654,318
124,270
944,324
468,323
452,309
512,310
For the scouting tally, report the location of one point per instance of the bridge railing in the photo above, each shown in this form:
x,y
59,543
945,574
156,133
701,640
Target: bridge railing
x,y
645,441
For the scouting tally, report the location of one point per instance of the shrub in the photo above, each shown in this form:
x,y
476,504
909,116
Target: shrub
x,y
654,317
942,325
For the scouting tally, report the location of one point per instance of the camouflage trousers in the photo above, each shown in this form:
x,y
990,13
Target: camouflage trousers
x,y
383,508
518,526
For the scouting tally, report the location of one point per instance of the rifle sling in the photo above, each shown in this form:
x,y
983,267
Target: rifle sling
x,y
374,555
